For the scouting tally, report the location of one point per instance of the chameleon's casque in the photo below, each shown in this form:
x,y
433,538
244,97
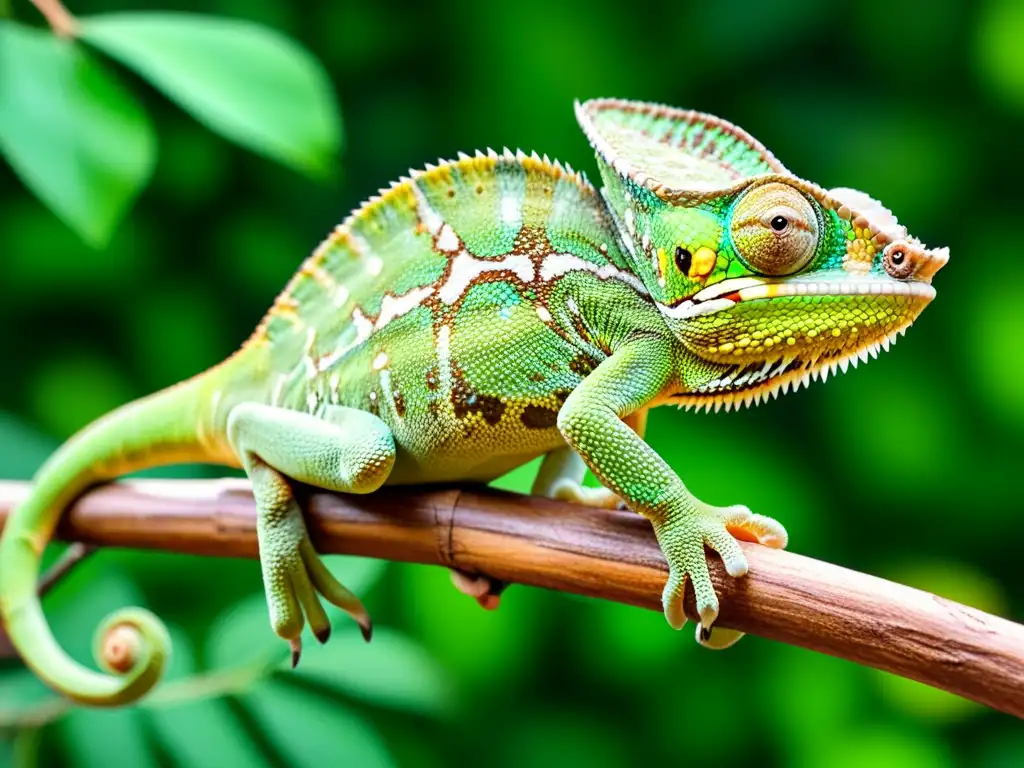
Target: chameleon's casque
x,y
492,309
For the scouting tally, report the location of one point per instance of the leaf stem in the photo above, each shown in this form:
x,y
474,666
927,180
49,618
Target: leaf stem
x,y
59,18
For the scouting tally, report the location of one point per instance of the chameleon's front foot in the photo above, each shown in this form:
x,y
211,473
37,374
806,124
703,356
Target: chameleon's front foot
x,y
683,534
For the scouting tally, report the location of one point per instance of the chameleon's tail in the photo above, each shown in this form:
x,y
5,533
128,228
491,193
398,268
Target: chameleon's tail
x,y
163,428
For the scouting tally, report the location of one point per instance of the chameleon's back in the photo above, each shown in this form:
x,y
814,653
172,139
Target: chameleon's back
x,y
431,307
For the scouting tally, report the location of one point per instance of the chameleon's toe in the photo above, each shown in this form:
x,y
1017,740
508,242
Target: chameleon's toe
x,y
336,594
748,526
682,539
295,581
577,493
485,590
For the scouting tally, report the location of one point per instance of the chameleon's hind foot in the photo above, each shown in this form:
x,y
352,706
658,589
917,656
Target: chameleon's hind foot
x,y
561,477
683,536
296,579
485,590
577,493
344,450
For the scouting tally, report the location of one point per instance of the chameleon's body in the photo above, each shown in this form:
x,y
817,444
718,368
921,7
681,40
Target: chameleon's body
x,y
494,309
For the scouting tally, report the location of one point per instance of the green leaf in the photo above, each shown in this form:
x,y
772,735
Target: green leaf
x,y
72,133
87,736
195,726
393,671
249,83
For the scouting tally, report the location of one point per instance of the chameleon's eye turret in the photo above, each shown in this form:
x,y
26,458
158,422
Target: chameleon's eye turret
x,y
774,229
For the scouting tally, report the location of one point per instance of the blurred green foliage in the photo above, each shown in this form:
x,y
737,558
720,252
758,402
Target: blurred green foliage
x,y
905,468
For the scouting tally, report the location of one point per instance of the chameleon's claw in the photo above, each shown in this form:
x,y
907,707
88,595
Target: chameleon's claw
x,y
366,628
323,635
296,646
485,590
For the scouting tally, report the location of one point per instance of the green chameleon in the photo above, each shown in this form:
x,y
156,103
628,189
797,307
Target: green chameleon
x,y
490,310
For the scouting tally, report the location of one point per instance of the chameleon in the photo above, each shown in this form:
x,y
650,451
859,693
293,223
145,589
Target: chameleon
x,y
489,310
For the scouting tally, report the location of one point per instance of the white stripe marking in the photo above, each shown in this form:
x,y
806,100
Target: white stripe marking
x,y
466,269
393,307
363,330
557,264
448,241
427,215
509,210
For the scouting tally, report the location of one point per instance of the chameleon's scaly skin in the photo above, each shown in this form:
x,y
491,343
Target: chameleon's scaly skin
x,y
494,309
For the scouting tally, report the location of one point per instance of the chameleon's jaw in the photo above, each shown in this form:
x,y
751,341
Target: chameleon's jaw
x,y
759,337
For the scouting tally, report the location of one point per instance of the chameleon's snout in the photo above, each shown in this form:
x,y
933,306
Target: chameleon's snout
x,y
909,260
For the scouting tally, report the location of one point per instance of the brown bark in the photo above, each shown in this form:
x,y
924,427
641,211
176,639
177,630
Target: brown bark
x,y
608,555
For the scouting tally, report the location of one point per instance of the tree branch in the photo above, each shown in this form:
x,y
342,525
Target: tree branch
x,y
608,555
59,18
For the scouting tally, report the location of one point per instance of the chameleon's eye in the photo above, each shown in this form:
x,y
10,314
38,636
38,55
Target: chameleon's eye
x,y
683,259
774,229
897,262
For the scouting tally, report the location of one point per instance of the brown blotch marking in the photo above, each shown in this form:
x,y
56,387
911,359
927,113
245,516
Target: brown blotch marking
x,y
451,192
399,399
536,376
466,402
432,379
374,406
479,189
539,417
582,364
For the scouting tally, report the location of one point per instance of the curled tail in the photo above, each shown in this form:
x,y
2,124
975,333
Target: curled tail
x,y
165,428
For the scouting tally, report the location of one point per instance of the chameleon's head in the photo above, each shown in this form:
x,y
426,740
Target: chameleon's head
x,y
765,278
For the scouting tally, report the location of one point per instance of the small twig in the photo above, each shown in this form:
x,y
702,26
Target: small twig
x,y
72,556
59,18
610,555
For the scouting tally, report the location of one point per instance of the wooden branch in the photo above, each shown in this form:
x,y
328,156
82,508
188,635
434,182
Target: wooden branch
x,y
608,555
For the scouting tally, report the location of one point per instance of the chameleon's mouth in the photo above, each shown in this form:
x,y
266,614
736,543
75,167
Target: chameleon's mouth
x,y
745,385
758,337
729,293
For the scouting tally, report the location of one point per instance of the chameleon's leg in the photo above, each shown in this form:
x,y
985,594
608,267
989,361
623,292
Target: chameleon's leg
x,y
590,422
346,450
560,477
561,473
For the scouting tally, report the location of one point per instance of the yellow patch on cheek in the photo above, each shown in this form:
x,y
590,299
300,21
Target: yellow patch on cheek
x,y
703,263
662,265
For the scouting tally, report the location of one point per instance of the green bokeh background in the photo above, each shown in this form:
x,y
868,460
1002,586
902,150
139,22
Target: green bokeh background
x,y
908,468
